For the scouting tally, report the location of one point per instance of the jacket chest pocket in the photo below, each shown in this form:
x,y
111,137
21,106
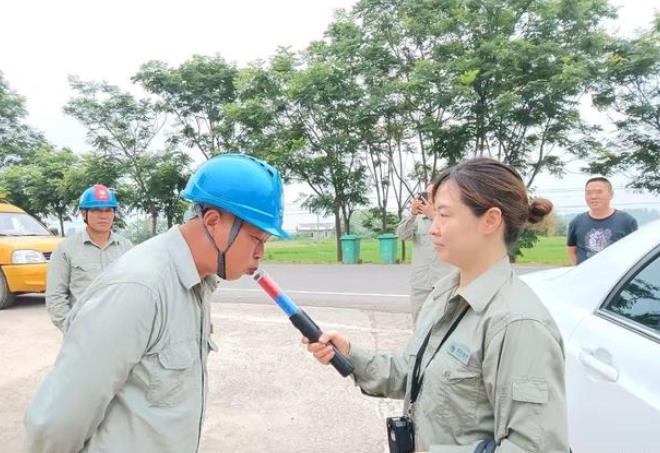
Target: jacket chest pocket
x,y
86,269
453,392
171,377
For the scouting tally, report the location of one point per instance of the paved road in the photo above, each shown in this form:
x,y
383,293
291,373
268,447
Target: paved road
x,y
266,394
365,286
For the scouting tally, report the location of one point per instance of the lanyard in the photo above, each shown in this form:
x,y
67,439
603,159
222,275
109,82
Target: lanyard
x,y
417,378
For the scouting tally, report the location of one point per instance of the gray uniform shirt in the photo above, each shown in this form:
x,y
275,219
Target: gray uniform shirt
x,y
131,374
75,264
426,267
499,376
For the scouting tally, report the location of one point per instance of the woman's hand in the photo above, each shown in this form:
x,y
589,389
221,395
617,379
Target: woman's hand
x,y
322,350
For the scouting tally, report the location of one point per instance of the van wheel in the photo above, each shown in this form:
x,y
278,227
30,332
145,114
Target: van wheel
x,y
7,298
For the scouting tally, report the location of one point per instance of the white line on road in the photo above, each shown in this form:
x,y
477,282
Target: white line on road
x,y
321,293
329,326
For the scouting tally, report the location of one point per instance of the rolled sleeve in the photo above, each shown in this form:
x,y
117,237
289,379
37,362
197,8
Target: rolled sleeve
x,y
381,375
57,288
106,338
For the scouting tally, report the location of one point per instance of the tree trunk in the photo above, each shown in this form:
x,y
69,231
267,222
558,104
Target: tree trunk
x,y
170,219
340,256
346,217
403,243
422,149
154,221
61,219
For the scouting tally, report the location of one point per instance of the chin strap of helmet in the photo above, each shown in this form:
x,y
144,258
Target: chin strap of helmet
x,y
221,267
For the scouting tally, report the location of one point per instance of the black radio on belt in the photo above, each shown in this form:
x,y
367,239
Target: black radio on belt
x,y
400,434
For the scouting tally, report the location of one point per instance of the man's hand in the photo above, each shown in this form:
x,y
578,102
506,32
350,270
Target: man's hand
x,y
426,208
416,206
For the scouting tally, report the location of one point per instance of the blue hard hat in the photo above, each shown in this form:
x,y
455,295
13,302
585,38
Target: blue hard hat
x,y
247,187
98,196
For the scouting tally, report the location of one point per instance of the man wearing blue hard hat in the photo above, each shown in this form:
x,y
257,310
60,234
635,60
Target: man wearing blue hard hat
x,y
80,258
131,375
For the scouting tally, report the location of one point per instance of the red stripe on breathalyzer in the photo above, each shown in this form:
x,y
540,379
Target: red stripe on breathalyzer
x,y
268,285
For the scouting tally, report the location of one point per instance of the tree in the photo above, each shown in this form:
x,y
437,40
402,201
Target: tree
x,y
372,221
124,128
197,93
631,90
500,78
413,97
524,65
16,184
168,175
94,168
39,187
322,98
259,107
299,115
17,139
409,45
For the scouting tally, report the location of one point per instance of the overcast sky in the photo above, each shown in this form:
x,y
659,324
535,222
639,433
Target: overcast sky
x,y
42,41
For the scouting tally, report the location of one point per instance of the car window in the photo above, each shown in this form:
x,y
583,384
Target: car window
x,y
639,298
21,224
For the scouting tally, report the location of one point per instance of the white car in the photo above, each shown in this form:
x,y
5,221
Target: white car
x,y
608,311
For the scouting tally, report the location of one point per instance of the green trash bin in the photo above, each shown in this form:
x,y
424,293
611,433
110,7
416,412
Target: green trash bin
x,y
388,248
350,249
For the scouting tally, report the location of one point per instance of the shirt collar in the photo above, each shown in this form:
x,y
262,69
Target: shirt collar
x,y
86,239
182,258
480,291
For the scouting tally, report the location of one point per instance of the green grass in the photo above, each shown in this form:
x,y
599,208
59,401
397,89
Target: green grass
x,y
323,251
549,250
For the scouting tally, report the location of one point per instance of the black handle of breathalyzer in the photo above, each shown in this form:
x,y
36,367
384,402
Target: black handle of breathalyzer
x,y
300,319
308,328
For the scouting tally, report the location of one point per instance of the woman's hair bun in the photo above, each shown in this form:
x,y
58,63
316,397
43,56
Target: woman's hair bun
x,y
539,208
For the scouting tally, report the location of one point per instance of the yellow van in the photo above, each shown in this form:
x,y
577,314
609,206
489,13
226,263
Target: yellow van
x,y
25,248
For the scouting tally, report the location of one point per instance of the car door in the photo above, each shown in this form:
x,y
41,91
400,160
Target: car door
x,y
613,367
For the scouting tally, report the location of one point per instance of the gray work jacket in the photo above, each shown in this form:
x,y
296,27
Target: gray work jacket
x,y
426,267
499,377
131,375
73,266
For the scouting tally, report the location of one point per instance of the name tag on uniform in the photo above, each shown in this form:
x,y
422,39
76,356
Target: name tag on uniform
x,y
459,352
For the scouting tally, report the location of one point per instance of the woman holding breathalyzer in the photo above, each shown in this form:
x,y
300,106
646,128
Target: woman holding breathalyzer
x,y
484,369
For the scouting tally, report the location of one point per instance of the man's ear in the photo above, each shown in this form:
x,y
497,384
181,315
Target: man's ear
x,y
212,218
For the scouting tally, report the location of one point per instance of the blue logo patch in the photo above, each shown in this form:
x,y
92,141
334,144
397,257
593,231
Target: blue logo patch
x,y
459,352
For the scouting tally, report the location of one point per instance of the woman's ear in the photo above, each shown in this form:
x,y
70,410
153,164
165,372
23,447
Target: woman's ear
x,y
491,220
